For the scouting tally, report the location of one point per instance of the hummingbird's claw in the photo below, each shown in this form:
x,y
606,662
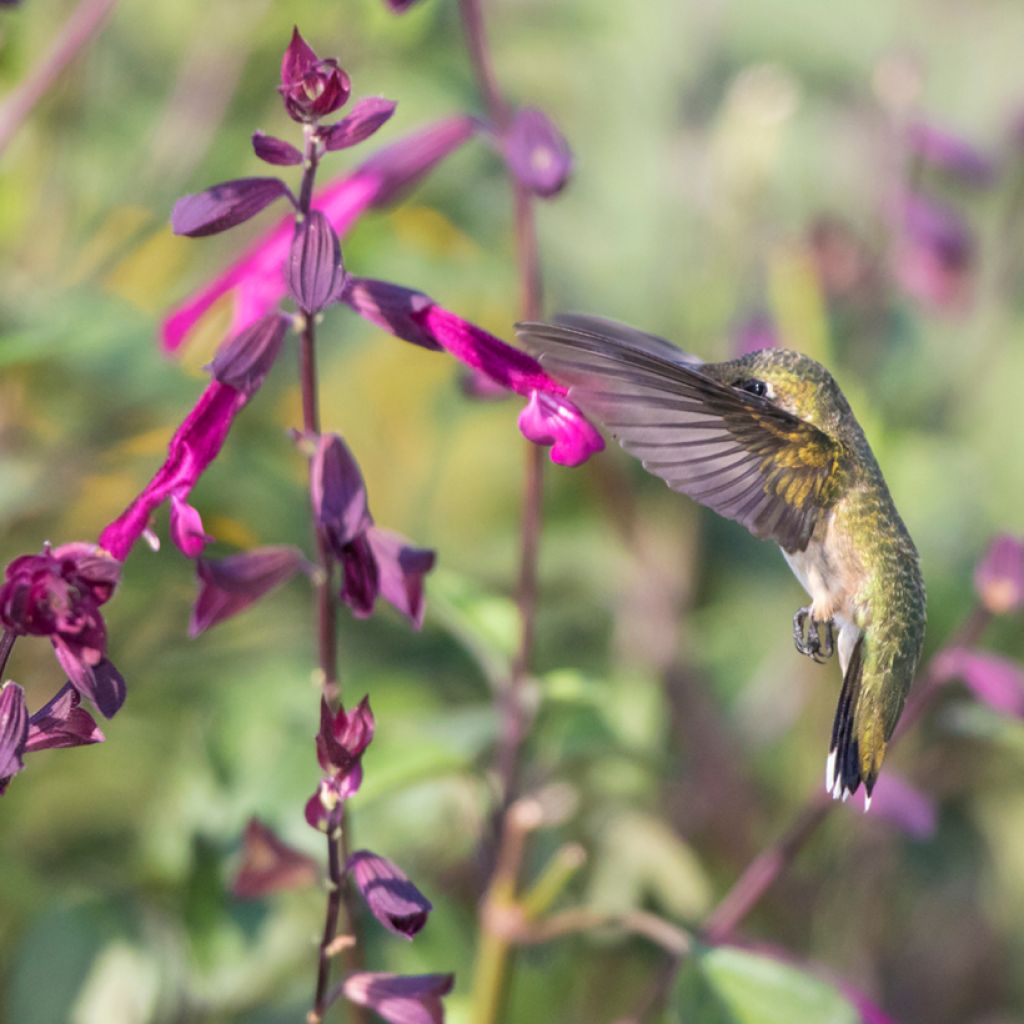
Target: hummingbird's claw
x,y
813,639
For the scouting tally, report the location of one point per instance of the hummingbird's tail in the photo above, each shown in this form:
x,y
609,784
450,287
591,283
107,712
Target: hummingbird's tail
x,y
858,746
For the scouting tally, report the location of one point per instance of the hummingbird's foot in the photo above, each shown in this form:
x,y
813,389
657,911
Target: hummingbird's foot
x,y
814,639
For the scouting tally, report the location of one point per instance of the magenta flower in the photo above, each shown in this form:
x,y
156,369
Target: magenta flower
x,y
935,253
269,864
400,999
310,87
537,152
941,149
229,585
340,744
187,528
389,894
994,680
999,576
59,594
256,282
59,723
898,802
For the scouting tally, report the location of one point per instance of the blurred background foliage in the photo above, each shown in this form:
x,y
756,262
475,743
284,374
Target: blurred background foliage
x,y
720,147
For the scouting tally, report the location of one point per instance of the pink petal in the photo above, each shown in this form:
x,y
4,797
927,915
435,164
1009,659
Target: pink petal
x,y
554,420
996,681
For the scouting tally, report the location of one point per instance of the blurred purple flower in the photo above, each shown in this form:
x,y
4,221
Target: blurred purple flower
x,y
400,6
947,152
187,528
59,594
195,444
269,864
256,282
243,361
389,894
365,118
896,801
60,723
276,151
13,731
999,576
537,152
310,87
313,272
753,333
935,253
340,744
994,680
229,585
400,999
224,206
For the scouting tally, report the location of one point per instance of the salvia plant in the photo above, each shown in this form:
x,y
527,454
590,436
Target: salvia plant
x,y
278,290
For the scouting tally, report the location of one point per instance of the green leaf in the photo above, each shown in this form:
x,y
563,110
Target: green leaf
x,y
726,985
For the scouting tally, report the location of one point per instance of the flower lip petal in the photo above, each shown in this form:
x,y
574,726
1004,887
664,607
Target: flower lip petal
x,y
389,894
62,723
400,999
225,205
273,150
401,569
365,118
187,528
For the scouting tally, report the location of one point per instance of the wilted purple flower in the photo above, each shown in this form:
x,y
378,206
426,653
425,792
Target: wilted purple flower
x,y
340,744
389,894
895,800
225,205
948,152
229,585
276,151
994,680
59,723
999,576
256,281
362,121
269,864
195,444
935,253
400,999
13,731
313,272
311,88
187,528
537,153
244,361
58,594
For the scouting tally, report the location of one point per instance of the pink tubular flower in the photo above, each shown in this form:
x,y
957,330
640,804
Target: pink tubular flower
x,y
256,282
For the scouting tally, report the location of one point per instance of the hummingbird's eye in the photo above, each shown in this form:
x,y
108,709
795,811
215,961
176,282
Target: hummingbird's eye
x,y
753,387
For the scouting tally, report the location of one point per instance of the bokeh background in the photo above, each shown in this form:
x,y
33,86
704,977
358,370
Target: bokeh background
x,y
737,163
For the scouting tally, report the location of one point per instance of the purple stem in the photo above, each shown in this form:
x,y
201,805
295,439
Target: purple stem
x,y
79,29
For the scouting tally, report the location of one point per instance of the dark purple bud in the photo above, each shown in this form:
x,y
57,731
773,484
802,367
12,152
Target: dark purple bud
x,y
896,801
400,166
62,723
338,493
995,681
950,153
314,273
272,150
999,576
224,205
360,582
389,894
269,864
390,306
400,569
229,585
245,360
100,682
13,730
537,153
554,420
311,88
187,528
400,999
343,737
358,124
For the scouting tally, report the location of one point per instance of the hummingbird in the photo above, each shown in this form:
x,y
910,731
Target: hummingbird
x,y
770,441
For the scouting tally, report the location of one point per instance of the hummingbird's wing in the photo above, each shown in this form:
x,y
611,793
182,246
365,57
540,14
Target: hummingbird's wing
x,y
730,450
631,337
